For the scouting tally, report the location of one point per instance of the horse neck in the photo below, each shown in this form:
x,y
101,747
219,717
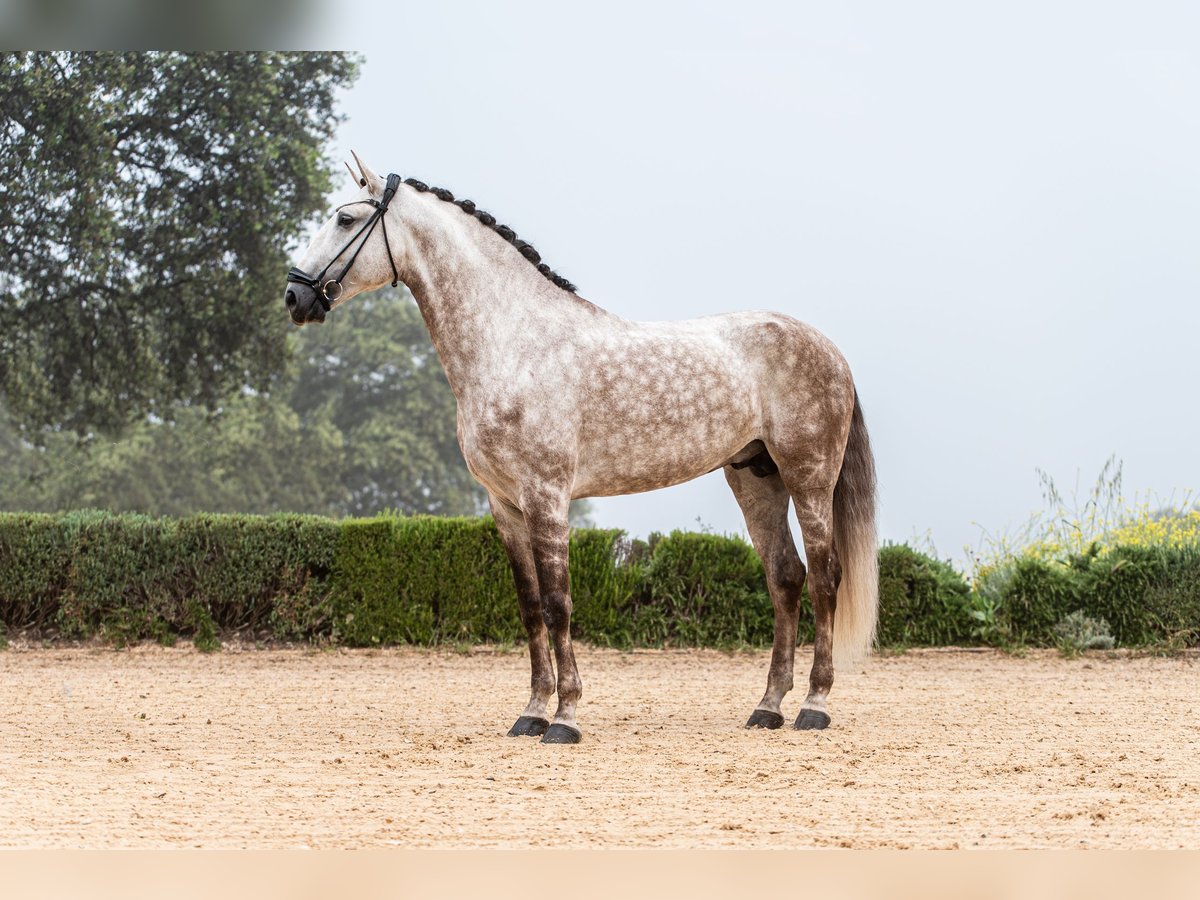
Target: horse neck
x,y
484,304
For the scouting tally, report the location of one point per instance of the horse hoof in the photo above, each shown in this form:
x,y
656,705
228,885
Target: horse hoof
x,y
528,726
562,734
764,718
811,719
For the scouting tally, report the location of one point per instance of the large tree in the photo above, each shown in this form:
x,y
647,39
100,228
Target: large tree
x,y
147,200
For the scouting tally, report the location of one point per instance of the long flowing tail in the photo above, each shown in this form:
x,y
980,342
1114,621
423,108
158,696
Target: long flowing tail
x,y
855,540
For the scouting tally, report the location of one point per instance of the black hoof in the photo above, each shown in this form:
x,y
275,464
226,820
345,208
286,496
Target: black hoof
x,y
562,734
811,719
528,726
764,718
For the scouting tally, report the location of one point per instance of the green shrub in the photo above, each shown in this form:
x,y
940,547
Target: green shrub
x,y
35,554
922,601
129,577
703,590
366,589
204,629
122,577
606,571
1146,595
259,573
1034,596
459,565
1149,595
1172,602
1133,563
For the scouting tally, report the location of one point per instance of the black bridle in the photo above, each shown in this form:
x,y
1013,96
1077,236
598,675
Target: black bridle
x,y
329,291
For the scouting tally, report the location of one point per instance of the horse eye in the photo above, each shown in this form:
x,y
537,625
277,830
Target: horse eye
x,y
345,219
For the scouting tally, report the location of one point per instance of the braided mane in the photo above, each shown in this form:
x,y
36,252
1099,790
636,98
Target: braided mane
x,y
525,248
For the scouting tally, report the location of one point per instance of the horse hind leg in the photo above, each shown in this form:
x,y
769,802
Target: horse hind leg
x,y
829,471
515,536
764,502
814,509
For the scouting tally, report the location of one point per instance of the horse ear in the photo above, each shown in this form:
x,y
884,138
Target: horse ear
x,y
359,181
370,180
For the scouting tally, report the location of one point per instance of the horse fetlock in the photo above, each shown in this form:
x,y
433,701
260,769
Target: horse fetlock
x,y
820,681
542,688
570,690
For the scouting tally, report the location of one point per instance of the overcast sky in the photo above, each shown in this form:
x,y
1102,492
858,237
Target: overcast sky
x,y
994,213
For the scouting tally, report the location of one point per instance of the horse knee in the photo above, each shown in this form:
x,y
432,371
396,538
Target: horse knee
x,y
556,612
531,616
788,575
820,679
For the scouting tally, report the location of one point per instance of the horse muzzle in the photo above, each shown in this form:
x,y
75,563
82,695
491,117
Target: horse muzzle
x,y
303,304
306,295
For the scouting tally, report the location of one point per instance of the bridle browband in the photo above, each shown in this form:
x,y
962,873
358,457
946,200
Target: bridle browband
x,y
329,291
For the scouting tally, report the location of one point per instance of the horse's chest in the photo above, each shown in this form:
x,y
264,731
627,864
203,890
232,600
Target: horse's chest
x,y
508,443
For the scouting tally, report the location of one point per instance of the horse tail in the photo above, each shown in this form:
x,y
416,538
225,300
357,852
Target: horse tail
x,y
855,541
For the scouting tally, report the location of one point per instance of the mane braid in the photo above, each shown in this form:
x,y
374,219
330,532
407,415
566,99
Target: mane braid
x,y
489,221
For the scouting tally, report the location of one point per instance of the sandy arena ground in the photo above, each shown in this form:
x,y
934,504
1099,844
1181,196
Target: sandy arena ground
x,y
154,747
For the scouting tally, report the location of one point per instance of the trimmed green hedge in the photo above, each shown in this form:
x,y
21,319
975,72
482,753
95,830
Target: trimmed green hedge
x,y
127,577
428,580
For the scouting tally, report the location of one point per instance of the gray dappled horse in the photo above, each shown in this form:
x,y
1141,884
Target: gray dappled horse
x,y
559,399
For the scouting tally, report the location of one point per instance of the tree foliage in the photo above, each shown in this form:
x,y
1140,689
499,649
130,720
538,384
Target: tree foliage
x,y
372,372
362,421
148,198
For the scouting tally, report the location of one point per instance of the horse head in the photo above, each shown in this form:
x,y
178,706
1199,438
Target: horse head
x,y
345,253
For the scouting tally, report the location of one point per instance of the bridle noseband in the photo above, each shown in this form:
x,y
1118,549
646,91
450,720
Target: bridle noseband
x,y
329,291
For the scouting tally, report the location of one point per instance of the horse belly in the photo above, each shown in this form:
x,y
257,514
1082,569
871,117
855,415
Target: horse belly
x,y
635,454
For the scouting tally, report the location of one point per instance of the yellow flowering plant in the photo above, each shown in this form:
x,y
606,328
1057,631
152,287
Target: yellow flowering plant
x,y
1091,527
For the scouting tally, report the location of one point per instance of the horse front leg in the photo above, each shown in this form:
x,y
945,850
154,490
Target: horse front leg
x,y
510,522
549,536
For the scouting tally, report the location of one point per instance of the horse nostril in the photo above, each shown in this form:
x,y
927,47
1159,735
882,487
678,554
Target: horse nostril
x,y
291,300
